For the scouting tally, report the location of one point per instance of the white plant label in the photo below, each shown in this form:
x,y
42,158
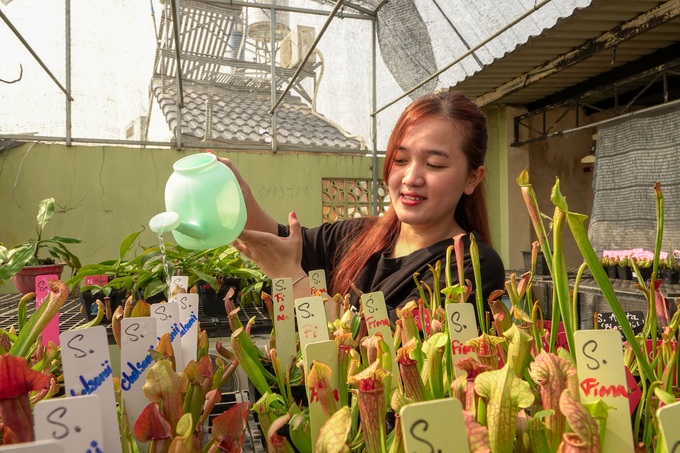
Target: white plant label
x,y
74,422
87,370
138,337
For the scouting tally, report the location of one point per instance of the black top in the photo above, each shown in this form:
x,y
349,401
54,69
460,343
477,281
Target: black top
x,y
394,276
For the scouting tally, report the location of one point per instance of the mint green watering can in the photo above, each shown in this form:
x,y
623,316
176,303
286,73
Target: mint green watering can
x,y
205,206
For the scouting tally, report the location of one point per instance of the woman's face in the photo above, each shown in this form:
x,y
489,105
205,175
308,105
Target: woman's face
x,y
430,174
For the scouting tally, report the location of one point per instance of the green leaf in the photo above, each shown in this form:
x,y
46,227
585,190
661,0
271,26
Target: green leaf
x,y
45,213
17,260
127,243
154,288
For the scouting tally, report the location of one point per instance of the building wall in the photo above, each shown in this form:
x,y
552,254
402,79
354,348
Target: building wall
x,y
104,193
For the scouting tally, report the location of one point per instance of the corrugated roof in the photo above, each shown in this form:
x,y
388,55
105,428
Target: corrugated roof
x,y
577,30
241,117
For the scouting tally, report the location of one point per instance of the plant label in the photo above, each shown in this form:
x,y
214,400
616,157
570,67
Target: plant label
x,y
423,319
137,338
378,321
317,283
39,446
42,290
75,423
87,371
325,352
607,320
168,321
318,287
188,318
669,419
462,327
311,321
601,374
92,280
178,281
431,425
560,340
284,320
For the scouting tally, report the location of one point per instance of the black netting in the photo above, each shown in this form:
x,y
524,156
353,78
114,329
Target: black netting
x,y
631,155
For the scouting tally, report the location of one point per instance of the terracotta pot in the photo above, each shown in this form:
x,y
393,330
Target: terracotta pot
x,y
24,280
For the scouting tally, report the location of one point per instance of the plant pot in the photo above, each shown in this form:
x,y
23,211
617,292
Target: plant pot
x,y
89,302
24,280
624,272
213,301
541,265
645,273
670,276
611,271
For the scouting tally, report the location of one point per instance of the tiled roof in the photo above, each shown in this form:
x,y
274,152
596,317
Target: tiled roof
x,y
241,117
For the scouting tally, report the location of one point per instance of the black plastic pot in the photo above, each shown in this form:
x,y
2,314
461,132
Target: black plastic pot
x,y
611,271
213,301
541,265
670,276
624,272
89,302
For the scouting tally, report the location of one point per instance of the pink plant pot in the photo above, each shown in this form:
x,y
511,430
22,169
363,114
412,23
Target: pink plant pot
x,y
24,280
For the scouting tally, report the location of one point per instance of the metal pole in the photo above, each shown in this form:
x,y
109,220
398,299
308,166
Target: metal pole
x,y
337,6
470,51
617,118
179,99
272,42
35,55
67,62
374,121
367,14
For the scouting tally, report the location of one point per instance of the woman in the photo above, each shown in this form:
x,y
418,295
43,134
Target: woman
x,y
434,167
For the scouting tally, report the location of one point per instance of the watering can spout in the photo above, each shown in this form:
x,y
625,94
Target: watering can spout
x,y
170,221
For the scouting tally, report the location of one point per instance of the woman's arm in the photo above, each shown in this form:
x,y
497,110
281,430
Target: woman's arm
x,y
257,218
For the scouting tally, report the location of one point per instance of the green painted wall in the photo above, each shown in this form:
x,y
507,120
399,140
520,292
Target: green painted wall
x,y
103,193
496,180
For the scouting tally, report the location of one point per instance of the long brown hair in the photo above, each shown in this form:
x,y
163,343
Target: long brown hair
x,y
470,214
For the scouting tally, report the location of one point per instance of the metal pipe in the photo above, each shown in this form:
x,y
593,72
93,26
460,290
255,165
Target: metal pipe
x,y
617,118
337,6
272,42
35,55
67,64
179,99
169,145
368,14
374,120
469,52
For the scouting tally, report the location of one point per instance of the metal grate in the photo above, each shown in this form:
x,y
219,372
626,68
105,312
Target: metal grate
x,y
69,315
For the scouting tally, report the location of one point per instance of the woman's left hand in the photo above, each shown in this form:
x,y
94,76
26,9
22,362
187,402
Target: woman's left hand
x,y
276,256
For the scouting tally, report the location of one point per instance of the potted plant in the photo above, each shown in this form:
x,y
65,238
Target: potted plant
x,y
668,270
110,281
39,256
214,271
610,262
